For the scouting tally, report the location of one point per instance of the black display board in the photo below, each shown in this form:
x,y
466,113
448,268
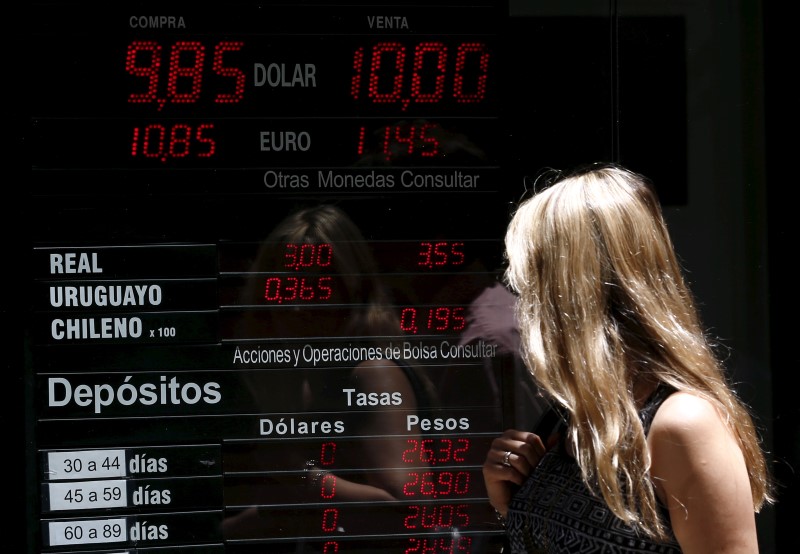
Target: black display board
x,y
199,375
199,379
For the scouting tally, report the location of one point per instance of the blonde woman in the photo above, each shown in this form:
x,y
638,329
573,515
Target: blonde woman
x,y
656,453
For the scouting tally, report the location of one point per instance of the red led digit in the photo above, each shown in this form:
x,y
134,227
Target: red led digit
x,y
327,487
425,452
272,290
408,320
306,291
386,146
470,93
462,511
286,288
208,142
362,131
427,485
409,488
429,323
462,483
410,521
432,515
325,288
442,317
154,134
457,253
408,453
459,319
426,249
421,53
135,142
330,519
179,141
440,250
289,289
429,144
324,255
358,64
388,51
290,256
403,135
445,451
143,59
307,255
234,73
327,454
458,453
180,71
330,547
445,482
445,518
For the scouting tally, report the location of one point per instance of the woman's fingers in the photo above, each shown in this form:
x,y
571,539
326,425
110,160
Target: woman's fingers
x,y
519,449
510,459
513,455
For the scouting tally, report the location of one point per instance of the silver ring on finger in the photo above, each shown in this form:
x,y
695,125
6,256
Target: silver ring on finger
x,y
507,459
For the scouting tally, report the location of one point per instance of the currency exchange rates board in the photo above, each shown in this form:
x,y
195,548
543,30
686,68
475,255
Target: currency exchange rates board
x,y
264,310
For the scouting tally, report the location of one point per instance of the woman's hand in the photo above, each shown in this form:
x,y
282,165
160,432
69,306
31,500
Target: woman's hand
x,y
509,461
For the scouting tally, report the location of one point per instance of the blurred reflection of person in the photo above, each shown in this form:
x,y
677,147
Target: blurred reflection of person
x,y
490,317
358,310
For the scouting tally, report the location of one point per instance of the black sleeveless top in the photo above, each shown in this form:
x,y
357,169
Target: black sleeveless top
x,y
555,512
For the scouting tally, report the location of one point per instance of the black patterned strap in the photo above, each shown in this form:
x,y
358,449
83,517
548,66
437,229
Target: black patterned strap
x,y
648,412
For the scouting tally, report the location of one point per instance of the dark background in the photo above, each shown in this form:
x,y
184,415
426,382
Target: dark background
x,y
694,94
782,235
764,26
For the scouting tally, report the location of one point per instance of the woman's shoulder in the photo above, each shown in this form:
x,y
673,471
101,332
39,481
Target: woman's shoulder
x,y
686,413
700,474
688,433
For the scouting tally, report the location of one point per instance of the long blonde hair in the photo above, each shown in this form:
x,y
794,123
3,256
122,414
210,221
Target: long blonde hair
x,y
602,301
